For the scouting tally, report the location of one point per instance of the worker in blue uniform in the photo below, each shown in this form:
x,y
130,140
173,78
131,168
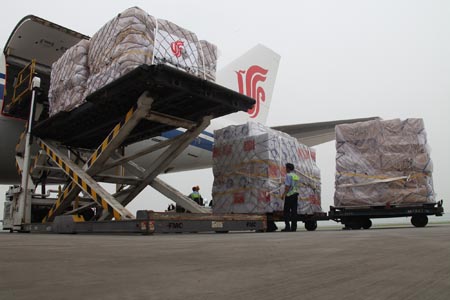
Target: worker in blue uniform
x,y
290,196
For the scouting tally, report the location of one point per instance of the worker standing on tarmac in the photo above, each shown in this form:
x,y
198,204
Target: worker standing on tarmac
x,y
195,195
290,197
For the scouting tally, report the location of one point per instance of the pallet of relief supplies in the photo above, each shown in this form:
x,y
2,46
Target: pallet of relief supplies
x,y
381,163
130,39
249,170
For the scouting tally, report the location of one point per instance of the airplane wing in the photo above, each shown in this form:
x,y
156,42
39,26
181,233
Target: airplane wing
x,y
313,134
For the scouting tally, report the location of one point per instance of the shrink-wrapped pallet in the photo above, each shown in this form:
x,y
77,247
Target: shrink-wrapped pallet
x,y
178,47
249,170
383,162
134,38
121,45
68,79
131,39
209,59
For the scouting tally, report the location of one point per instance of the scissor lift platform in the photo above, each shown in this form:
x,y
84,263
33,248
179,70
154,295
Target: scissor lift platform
x,y
83,144
175,93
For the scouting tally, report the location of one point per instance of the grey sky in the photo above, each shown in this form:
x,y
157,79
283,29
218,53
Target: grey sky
x,y
339,60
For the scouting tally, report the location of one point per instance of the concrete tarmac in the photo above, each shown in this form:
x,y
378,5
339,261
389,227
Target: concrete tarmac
x,y
380,263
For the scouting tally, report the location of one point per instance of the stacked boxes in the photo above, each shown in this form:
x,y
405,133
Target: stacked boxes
x,y
121,45
249,170
68,83
383,162
178,47
209,59
127,41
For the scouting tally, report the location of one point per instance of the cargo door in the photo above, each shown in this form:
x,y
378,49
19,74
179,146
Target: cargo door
x,y
33,46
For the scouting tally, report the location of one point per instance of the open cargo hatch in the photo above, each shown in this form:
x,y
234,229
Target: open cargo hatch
x,y
35,39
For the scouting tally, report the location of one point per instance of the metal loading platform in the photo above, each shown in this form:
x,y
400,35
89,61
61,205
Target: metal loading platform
x,y
175,93
81,147
357,217
149,222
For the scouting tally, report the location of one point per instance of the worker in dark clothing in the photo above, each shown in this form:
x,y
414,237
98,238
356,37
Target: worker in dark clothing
x,y
195,195
171,207
290,197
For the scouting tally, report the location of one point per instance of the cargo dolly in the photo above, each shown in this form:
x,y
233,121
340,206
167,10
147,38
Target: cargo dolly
x,y
78,149
359,217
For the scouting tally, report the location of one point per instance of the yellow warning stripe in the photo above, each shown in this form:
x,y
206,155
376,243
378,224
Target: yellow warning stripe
x,y
19,170
34,164
83,185
110,137
22,135
58,202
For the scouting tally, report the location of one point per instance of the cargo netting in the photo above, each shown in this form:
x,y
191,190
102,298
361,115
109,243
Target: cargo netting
x,y
131,39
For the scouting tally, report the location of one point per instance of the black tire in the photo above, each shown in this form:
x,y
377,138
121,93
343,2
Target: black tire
x,y
354,225
419,220
271,226
310,225
366,223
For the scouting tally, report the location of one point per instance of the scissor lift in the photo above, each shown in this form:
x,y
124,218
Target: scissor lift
x,y
79,148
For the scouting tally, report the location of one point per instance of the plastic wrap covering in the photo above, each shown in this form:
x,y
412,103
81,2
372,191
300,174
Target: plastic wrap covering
x,y
68,79
121,45
209,59
249,170
383,162
127,41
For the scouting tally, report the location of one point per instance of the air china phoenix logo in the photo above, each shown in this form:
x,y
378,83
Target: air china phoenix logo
x,y
177,48
248,83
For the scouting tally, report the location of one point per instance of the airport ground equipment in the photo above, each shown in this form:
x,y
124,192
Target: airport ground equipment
x,y
353,217
78,150
149,222
360,217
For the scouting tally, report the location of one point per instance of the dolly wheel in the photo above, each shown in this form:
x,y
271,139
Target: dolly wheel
x,y
366,223
310,225
419,220
354,225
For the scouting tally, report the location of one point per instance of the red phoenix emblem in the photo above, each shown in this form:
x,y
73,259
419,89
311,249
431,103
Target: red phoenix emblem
x,y
177,47
248,85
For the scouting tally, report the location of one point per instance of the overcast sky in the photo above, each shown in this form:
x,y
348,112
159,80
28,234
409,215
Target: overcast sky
x,y
339,60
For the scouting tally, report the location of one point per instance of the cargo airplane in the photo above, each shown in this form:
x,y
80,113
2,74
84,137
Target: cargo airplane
x,y
252,74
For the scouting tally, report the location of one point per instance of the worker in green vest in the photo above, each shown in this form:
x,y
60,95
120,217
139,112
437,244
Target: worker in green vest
x,y
290,197
195,195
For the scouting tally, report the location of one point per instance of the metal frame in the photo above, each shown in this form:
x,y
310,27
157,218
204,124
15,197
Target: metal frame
x,y
339,213
148,222
83,156
55,157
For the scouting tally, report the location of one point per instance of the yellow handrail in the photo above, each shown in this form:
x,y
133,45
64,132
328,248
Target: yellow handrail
x,y
25,76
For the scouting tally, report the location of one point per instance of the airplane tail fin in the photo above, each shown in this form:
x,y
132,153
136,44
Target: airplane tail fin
x,y
253,74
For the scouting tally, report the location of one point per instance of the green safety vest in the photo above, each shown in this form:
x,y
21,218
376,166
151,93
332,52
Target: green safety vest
x,y
194,195
294,188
